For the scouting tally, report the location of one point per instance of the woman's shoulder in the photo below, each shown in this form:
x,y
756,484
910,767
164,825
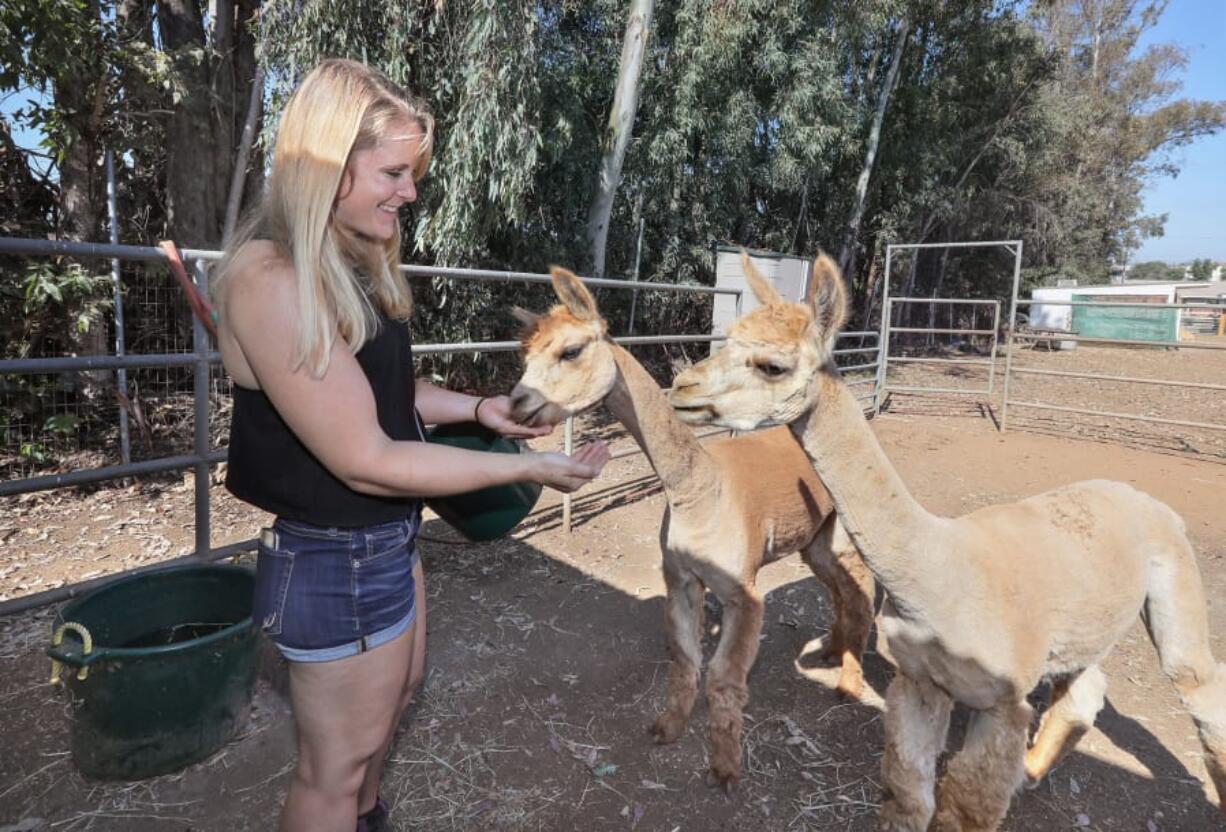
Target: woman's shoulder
x,y
260,257
259,290
261,267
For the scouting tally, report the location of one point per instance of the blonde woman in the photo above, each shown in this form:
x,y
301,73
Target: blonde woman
x,y
313,330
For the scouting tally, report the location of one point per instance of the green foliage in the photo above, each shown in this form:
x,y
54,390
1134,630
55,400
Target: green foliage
x,y
63,423
70,291
1112,123
33,452
1149,270
47,310
45,43
1202,269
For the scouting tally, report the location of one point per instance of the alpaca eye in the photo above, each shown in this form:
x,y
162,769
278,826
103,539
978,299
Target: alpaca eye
x,y
769,368
571,353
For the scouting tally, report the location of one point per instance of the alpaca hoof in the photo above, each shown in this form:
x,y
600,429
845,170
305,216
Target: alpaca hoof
x,y
1035,772
829,654
850,690
720,776
893,819
668,728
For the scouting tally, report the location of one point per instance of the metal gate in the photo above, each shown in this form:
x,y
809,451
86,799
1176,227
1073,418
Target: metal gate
x,y
888,328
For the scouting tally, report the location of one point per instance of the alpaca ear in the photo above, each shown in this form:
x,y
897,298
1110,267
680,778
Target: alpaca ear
x,y
762,288
574,295
828,296
528,319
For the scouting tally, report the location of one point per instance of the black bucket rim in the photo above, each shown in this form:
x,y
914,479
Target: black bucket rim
x,y
101,653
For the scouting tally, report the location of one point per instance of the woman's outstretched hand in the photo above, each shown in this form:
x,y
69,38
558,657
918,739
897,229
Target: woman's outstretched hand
x,y
568,473
495,414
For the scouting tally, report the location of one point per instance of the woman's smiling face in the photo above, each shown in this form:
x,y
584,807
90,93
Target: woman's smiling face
x,y
377,181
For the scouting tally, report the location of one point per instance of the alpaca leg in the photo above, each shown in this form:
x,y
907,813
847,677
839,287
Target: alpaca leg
x,y
974,794
857,588
727,685
1206,702
820,559
837,563
1075,703
1178,622
683,622
916,723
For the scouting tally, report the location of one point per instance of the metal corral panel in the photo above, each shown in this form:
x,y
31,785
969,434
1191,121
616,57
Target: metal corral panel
x,y
1128,323
790,276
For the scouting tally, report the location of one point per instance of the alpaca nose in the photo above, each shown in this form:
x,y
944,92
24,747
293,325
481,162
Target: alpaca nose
x,y
519,400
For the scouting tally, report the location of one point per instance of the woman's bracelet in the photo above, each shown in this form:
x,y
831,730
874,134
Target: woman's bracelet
x,y
477,407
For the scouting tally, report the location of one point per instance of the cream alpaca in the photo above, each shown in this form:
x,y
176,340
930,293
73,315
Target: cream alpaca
x,y
733,505
981,608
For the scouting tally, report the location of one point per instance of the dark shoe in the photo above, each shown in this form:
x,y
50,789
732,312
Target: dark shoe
x,y
377,819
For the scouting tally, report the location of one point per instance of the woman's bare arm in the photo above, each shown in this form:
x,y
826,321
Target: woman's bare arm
x,y
335,416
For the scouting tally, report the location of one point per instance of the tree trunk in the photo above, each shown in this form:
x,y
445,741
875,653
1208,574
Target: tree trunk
x,y
871,280
82,99
618,131
238,179
936,292
908,286
245,68
847,256
200,133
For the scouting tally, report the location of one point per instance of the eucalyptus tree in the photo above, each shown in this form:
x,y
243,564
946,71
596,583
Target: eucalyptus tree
x,y
620,126
1115,122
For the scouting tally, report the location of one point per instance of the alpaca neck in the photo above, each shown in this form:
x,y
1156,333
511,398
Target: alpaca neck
x,y
895,535
684,467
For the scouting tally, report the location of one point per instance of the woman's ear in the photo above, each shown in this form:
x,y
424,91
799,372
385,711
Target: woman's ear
x,y
345,186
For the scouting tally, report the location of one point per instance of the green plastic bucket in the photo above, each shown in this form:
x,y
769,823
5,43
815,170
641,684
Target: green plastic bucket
x,y
168,669
490,512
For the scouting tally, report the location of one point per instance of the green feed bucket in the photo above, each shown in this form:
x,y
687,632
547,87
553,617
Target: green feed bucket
x,y
161,668
490,512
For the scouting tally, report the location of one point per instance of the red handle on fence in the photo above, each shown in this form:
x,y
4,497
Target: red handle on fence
x,y
200,304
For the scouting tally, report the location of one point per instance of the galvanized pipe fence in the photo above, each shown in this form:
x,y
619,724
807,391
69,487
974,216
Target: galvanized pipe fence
x,y
203,357
1013,247
1016,337
991,334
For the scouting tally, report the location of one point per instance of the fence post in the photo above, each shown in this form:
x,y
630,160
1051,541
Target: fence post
x,y
634,293
200,402
568,446
995,340
883,339
121,375
1017,277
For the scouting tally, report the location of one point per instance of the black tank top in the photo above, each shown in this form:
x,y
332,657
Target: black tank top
x,y
270,468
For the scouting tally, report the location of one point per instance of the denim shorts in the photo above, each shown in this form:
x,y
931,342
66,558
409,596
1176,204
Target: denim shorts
x,y
323,594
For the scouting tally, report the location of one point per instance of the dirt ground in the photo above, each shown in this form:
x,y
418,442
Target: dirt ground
x,y
547,654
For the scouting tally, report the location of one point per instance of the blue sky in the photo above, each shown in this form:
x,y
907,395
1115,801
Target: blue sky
x,y
1194,201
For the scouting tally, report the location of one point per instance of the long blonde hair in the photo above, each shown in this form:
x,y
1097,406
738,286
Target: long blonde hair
x,y
340,107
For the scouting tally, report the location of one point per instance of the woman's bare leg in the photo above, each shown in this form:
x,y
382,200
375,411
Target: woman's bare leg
x,y
417,663
344,711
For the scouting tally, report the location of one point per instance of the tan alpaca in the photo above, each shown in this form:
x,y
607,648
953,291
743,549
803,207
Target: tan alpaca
x,y
733,505
981,608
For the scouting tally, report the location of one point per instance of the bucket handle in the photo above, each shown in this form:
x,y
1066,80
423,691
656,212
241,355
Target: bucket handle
x,y
59,658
